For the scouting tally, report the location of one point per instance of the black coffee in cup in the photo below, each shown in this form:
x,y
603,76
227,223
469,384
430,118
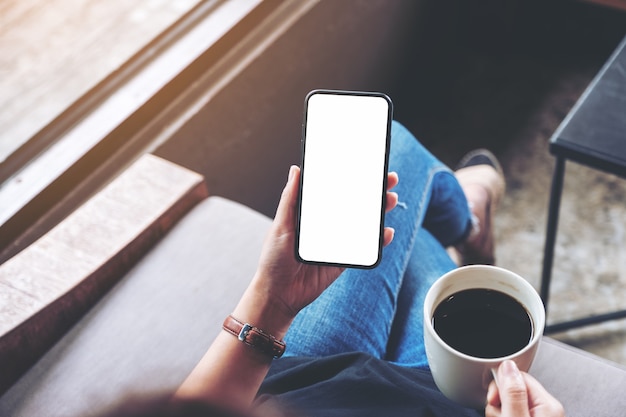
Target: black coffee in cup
x,y
483,323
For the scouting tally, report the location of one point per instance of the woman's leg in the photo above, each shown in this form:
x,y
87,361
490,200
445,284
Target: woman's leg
x,y
356,313
428,261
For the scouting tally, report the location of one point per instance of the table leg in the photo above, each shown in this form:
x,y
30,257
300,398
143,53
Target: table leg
x,y
553,220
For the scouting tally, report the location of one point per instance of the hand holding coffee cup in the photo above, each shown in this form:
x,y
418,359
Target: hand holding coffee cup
x,y
476,317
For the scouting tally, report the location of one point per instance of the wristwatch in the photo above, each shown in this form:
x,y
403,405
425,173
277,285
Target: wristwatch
x,y
255,337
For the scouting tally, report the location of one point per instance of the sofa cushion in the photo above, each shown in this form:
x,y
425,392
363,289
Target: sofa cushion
x,y
151,329
49,285
586,384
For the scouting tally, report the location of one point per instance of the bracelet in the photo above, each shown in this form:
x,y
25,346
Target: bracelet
x,y
255,337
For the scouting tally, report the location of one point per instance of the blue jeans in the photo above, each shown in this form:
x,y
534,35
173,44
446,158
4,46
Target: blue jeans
x,y
379,311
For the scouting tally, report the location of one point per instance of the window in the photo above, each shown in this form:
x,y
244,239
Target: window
x,y
54,51
79,82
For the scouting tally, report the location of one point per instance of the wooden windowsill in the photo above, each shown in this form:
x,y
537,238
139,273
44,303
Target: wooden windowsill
x,y
50,284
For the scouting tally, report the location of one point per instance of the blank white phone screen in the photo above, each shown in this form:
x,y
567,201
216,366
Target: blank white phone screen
x,y
345,153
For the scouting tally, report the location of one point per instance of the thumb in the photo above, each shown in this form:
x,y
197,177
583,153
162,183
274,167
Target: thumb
x,y
286,211
512,390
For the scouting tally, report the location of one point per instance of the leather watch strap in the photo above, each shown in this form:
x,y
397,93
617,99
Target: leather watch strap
x,y
255,337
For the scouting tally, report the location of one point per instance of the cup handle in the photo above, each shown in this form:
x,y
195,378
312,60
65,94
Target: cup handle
x,y
489,374
494,374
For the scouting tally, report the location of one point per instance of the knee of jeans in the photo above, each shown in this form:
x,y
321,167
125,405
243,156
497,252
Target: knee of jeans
x,y
448,216
400,135
446,187
404,145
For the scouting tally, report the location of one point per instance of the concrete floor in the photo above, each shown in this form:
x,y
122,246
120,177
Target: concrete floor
x,y
589,274
509,93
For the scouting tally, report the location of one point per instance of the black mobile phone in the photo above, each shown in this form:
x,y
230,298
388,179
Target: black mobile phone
x,y
345,156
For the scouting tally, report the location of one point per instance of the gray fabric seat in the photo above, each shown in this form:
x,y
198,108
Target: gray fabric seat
x,y
150,330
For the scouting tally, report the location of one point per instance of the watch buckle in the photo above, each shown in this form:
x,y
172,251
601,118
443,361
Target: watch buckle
x,y
244,332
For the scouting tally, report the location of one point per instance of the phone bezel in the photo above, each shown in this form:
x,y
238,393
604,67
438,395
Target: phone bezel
x,y
384,174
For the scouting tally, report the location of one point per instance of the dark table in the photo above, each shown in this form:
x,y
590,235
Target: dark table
x,y
592,134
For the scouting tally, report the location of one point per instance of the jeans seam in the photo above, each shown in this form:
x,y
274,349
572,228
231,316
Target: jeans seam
x,y
421,202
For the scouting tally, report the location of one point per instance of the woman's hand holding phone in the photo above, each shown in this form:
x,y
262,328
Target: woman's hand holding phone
x,y
331,211
280,288
281,280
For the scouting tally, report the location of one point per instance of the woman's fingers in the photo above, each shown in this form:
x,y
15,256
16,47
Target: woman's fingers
x,y
517,394
286,207
389,232
542,399
392,198
286,210
392,201
392,180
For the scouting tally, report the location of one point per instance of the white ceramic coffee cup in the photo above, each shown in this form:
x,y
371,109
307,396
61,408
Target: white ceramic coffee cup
x,y
460,377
